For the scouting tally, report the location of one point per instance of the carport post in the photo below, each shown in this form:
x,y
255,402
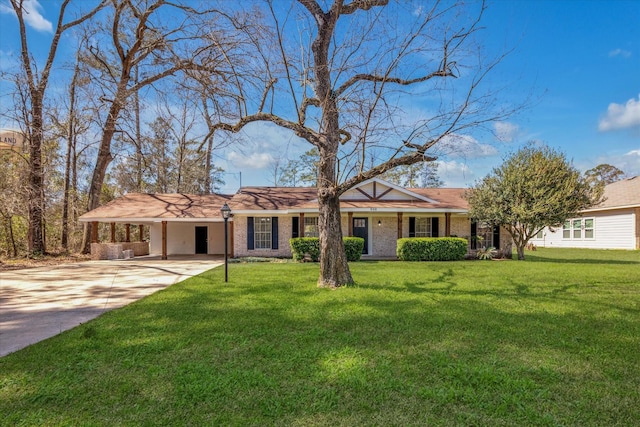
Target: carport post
x,y
127,233
94,232
164,239
226,213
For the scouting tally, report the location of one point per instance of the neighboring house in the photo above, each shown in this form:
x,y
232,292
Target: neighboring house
x,y
613,224
265,218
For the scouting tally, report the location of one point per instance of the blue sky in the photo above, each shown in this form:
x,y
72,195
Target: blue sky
x,y
579,60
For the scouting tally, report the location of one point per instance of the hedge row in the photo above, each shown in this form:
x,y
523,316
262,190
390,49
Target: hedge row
x,y
431,249
301,246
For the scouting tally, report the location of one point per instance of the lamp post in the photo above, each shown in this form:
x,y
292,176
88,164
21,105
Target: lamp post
x,y
226,213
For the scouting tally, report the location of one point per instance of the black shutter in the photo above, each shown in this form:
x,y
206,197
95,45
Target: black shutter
x,y
250,245
474,234
434,227
274,232
412,226
496,237
295,227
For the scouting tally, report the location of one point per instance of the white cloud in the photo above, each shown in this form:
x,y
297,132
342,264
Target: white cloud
x,y
455,174
466,146
620,116
620,52
505,131
32,16
251,161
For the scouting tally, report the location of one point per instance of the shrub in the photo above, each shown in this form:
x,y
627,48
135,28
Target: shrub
x,y
353,246
301,246
431,249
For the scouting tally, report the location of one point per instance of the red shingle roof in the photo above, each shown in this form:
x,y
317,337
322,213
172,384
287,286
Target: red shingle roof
x,y
189,206
160,206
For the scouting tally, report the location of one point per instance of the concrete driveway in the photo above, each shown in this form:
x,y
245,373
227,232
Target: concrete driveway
x,y
38,303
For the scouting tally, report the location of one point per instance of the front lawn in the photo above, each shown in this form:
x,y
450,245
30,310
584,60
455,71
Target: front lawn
x,y
553,340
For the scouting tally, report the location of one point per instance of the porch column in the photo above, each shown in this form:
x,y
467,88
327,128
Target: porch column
x,y
127,233
447,224
113,232
140,233
350,225
231,239
301,225
94,232
399,225
164,239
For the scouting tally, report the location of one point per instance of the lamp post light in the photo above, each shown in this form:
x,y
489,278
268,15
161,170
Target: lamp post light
x,y
226,213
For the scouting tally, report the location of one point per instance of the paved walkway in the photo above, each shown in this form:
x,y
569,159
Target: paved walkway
x,y
38,303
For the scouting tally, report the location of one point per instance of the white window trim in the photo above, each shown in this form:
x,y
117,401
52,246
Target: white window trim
x,y
582,229
256,232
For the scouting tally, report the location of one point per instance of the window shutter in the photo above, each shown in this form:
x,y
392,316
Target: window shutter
x,y
434,227
250,245
274,232
412,226
496,237
474,234
295,227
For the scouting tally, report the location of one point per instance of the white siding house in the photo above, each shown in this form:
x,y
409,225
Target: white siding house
x,y
613,224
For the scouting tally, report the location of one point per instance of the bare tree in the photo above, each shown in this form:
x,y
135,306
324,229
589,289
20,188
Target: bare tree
x,y
158,38
70,124
340,74
37,82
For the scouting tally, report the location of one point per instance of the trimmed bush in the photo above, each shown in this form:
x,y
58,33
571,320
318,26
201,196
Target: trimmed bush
x,y
301,246
353,246
431,249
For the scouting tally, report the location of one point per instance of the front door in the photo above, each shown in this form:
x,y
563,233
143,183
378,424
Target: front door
x,y
201,240
361,229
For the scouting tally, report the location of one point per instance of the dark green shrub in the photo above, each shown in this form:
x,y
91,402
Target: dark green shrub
x,y
301,246
353,247
431,249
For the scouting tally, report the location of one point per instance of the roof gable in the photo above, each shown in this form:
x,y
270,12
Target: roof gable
x,y
378,190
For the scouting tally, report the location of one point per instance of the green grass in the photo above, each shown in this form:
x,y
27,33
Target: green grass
x,y
551,341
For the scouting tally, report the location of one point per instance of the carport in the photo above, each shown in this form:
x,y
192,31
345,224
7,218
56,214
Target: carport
x,y
177,224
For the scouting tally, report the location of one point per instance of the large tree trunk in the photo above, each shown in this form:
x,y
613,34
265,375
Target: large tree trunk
x,y
64,240
100,170
334,270
36,179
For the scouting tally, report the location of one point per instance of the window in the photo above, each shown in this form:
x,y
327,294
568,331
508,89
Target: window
x,y
262,232
540,234
588,228
576,225
579,229
484,233
311,227
423,227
